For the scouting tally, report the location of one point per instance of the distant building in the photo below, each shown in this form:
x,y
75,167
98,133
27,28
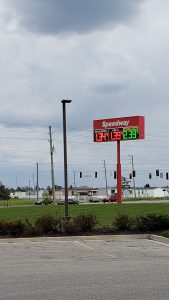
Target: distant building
x,y
83,194
153,192
26,194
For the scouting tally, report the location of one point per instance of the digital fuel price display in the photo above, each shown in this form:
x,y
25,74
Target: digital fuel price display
x,y
119,134
118,129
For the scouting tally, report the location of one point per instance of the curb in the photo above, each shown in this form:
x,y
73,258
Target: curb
x,y
107,238
158,238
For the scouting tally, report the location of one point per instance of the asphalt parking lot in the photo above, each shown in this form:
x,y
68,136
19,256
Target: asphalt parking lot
x,y
84,268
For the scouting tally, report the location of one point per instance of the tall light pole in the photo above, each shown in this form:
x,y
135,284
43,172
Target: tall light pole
x,y
52,167
64,102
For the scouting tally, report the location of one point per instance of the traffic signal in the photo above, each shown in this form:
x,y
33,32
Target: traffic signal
x,y
115,175
134,173
95,174
80,174
130,175
150,175
167,175
157,173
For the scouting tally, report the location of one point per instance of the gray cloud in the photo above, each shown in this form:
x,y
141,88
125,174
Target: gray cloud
x,y
115,72
110,88
64,16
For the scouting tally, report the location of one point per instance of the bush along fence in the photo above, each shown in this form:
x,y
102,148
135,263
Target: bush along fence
x,y
48,225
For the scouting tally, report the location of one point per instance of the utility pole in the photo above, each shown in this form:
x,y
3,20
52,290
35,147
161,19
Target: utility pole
x,y
33,184
17,186
37,181
52,167
105,173
132,163
29,189
74,176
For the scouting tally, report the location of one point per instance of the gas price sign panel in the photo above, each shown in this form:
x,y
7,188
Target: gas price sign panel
x,y
118,129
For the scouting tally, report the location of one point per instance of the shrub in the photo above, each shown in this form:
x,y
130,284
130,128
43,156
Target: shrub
x,y
18,228
152,222
85,223
105,230
68,226
122,222
12,228
46,224
165,233
30,229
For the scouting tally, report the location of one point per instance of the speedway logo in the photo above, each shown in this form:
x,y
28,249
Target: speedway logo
x,y
117,123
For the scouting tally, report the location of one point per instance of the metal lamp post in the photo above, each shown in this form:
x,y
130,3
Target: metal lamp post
x,y
64,102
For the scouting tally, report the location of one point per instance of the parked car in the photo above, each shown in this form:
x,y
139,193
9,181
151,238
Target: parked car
x,y
71,200
110,199
61,202
93,200
43,202
39,202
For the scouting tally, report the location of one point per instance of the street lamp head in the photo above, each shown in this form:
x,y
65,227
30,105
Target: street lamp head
x,y
66,101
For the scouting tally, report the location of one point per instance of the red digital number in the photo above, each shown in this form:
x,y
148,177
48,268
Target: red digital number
x,y
115,135
101,136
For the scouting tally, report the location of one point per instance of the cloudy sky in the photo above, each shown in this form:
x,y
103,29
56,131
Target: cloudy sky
x,y
111,58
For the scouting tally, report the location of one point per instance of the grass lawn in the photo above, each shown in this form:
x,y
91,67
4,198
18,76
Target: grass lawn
x,y
145,198
16,202
105,213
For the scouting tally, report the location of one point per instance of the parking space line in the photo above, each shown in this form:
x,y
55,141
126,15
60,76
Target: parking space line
x,y
100,252
84,245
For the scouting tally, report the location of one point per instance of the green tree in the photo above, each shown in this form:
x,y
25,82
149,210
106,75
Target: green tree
x,y
4,193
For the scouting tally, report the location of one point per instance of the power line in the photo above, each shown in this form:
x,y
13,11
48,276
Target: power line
x,y
22,162
18,150
22,138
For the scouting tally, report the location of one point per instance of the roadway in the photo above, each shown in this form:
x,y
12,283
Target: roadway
x,y
132,201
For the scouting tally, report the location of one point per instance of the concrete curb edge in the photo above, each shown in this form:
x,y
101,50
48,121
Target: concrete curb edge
x,y
158,238
107,238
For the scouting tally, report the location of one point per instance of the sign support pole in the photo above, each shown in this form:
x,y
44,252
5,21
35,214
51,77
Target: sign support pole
x,y
119,189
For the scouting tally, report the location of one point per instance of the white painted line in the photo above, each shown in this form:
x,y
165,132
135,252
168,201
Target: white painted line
x,y
98,252
161,243
84,245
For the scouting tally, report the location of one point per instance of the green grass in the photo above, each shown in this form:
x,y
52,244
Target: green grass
x,y
16,202
145,198
104,213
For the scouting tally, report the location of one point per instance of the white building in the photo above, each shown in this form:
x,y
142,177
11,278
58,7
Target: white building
x,y
154,192
83,194
27,194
